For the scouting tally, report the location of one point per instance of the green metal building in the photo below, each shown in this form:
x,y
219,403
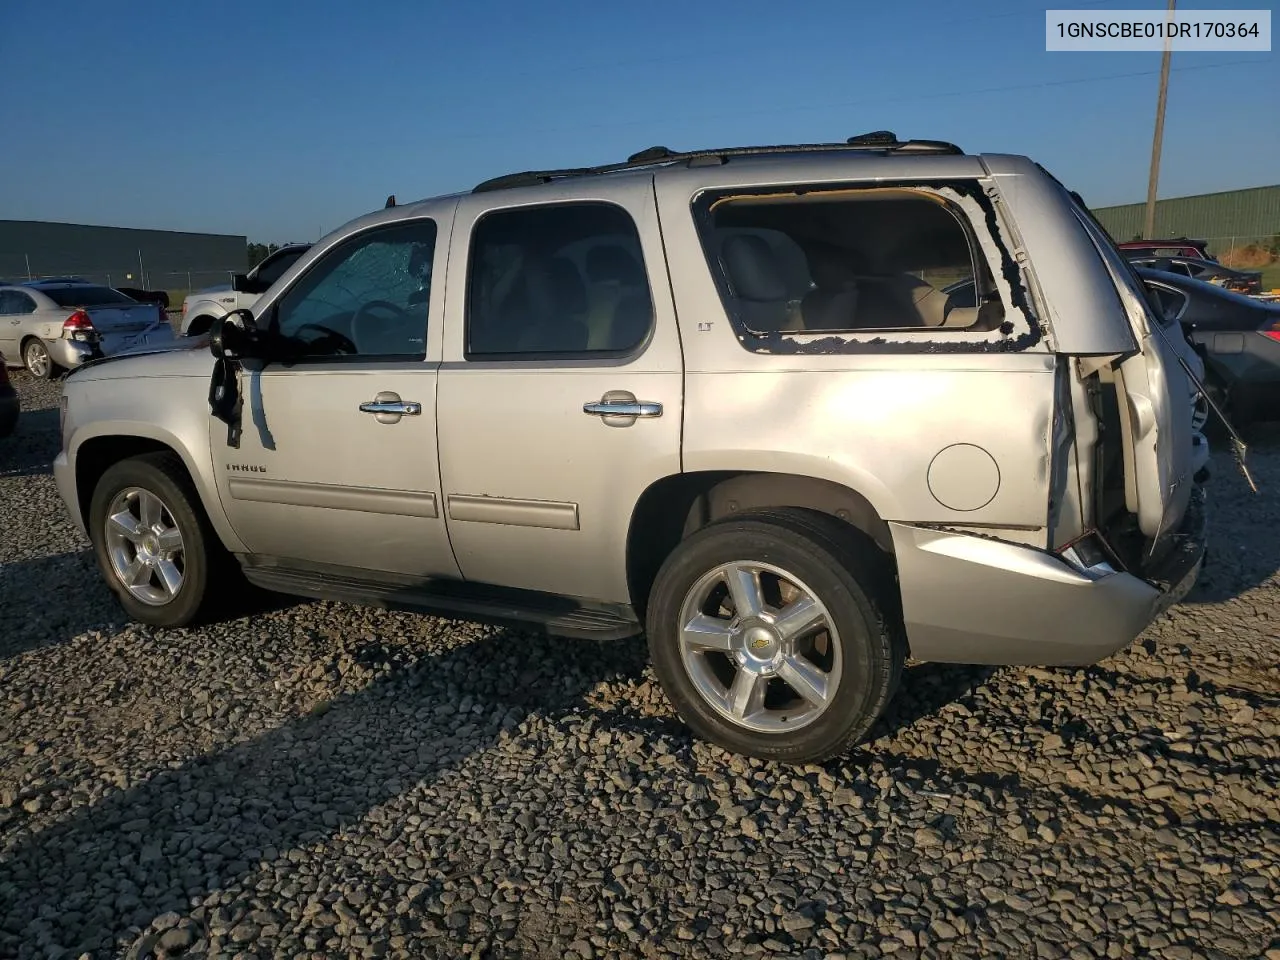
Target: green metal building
x,y
1232,218
119,256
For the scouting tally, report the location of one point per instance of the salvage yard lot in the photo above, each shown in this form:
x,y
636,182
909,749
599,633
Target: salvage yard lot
x,y
317,779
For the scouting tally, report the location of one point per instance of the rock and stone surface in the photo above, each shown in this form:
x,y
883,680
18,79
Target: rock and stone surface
x,y
315,780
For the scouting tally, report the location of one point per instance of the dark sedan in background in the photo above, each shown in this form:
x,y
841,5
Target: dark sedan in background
x,y
1238,336
1242,281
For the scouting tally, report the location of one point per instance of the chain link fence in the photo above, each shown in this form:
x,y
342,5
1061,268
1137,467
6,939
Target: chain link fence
x,y
176,284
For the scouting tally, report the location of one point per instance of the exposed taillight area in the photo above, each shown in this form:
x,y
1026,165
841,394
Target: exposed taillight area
x,y
80,327
1089,554
1272,331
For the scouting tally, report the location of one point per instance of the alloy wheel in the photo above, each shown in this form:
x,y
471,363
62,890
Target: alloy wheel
x,y
145,546
760,647
37,359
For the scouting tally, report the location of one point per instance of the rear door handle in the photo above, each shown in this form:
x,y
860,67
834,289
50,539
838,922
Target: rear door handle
x,y
623,408
387,407
620,408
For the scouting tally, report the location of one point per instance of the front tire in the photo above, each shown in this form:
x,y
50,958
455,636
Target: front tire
x,y
776,635
152,540
36,358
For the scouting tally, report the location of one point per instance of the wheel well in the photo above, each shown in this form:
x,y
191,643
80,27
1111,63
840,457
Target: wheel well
x,y
98,454
676,506
199,324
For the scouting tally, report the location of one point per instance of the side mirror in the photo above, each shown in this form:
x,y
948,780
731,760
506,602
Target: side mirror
x,y
235,336
240,283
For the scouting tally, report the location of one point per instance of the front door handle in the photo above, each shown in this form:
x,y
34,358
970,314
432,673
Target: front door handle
x,y
620,408
387,407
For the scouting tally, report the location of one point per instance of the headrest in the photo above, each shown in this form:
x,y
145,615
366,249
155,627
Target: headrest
x,y
752,268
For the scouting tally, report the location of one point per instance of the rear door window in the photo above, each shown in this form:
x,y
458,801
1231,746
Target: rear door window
x,y
562,279
273,270
87,296
16,303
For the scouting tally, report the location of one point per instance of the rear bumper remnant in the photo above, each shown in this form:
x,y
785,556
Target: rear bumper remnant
x,y
970,599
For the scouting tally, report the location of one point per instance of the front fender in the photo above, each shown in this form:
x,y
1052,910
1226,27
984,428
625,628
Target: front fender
x,y
187,436
209,306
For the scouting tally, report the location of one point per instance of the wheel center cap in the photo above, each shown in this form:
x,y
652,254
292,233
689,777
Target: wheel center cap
x,y
760,643
150,545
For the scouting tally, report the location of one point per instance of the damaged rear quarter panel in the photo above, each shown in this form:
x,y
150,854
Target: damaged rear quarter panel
x,y
871,411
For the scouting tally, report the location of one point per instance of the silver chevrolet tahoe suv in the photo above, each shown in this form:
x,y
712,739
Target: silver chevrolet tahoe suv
x,y
796,413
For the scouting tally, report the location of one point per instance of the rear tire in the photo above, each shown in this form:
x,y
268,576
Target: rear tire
x,y
36,358
162,562
749,682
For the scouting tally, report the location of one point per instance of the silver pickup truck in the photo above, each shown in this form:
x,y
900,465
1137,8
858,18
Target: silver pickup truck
x,y
795,413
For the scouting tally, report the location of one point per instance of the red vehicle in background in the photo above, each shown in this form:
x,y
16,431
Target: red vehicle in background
x,y
1178,247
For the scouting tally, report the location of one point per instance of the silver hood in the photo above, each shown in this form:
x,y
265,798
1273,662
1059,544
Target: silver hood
x,y
183,357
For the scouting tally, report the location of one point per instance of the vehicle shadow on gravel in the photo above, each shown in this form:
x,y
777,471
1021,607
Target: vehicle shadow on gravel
x,y
30,449
32,615
924,690
200,826
34,611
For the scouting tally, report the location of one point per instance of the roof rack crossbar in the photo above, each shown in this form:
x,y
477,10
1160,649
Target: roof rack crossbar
x,y
880,141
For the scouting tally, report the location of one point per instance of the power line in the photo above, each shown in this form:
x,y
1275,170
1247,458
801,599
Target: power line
x,y
869,101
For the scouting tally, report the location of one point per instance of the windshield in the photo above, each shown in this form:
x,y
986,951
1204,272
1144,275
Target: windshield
x,y
86,296
272,271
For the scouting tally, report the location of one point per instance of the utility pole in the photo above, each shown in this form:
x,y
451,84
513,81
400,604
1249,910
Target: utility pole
x,y
1150,224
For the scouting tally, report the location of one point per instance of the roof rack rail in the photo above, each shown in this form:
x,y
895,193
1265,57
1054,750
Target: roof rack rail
x,y
880,140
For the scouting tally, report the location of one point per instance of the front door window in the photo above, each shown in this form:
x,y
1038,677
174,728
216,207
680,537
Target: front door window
x,y
367,298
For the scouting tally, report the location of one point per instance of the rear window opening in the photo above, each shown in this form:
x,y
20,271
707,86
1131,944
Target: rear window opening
x,y
850,261
87,296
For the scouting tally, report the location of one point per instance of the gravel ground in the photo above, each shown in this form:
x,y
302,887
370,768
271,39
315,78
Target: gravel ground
x,y
317,779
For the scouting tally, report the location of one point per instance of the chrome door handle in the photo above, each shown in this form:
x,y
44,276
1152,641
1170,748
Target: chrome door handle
x,y
405,408
623,408
387,407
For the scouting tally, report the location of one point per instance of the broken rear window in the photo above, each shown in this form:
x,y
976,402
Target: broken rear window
x,y
849,261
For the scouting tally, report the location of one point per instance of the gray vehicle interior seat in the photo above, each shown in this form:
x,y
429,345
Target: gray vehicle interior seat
x,y
756,282
848,296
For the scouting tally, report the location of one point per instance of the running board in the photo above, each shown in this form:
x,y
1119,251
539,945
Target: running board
x,y
554,615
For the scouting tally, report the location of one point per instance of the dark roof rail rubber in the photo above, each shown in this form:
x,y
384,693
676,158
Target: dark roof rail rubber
x,y
880,140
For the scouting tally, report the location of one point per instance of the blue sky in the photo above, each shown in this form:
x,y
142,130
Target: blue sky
x,y
281,119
